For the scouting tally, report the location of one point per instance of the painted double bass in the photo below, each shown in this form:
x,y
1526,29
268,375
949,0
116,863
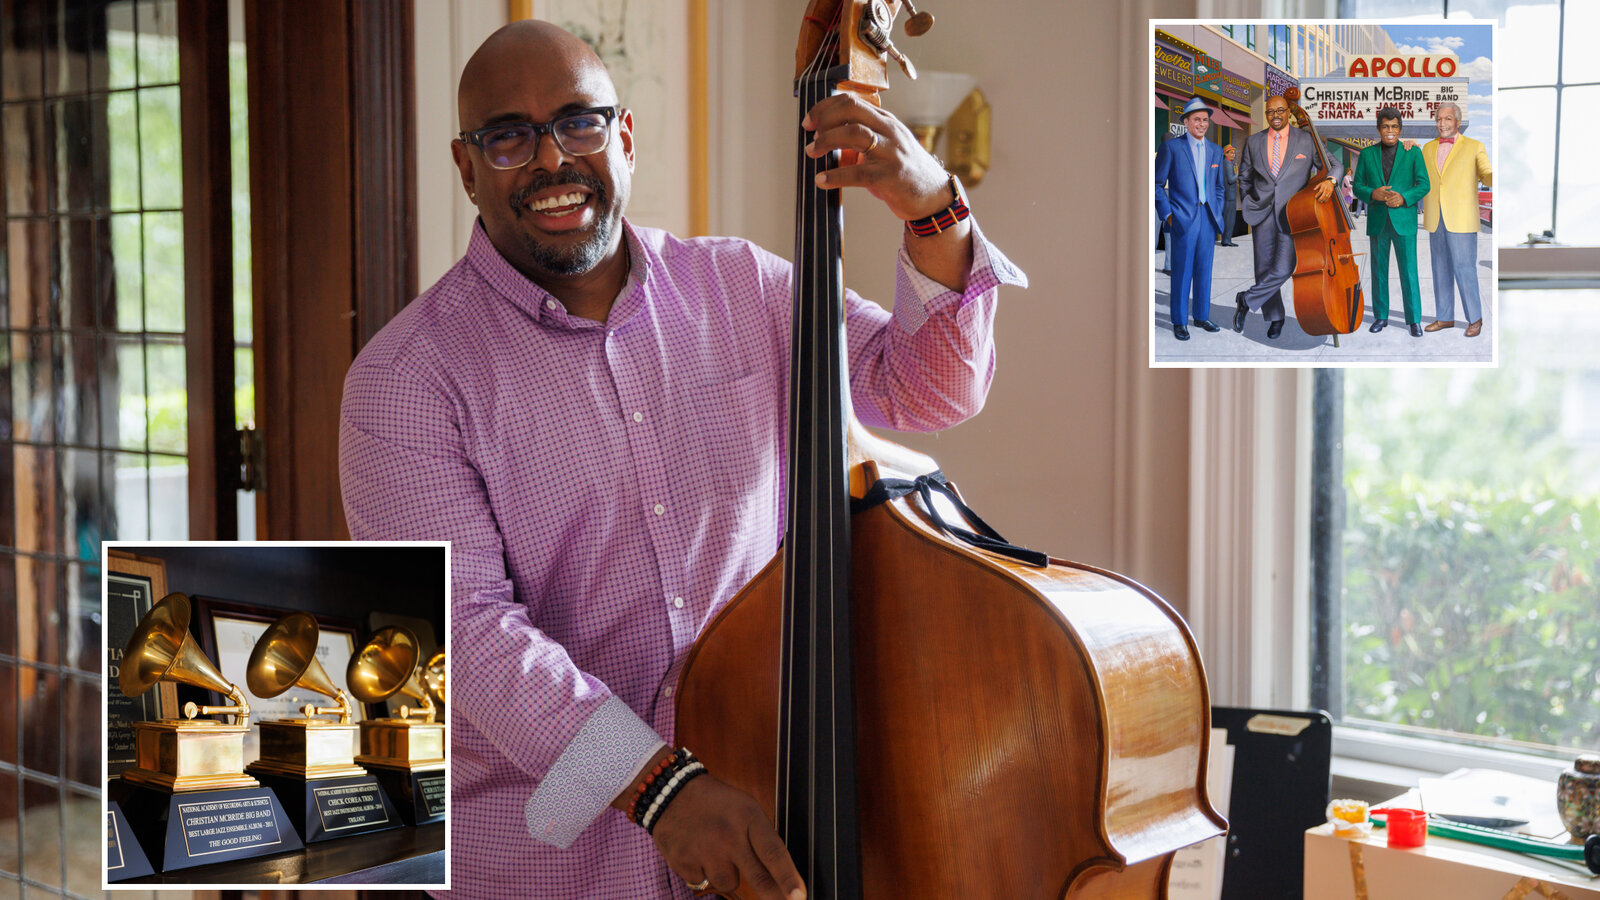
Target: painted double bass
x,y
1327,282
921,718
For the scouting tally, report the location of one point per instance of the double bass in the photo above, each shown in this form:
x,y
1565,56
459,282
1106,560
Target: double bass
x,y
921,716
1327,282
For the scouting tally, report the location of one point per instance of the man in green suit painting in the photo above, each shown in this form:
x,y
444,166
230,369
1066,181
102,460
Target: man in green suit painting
x,y
1393,179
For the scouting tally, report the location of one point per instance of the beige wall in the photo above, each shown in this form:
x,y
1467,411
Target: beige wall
x,y
1082,449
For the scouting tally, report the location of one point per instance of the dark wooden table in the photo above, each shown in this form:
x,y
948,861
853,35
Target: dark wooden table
x,y
410,855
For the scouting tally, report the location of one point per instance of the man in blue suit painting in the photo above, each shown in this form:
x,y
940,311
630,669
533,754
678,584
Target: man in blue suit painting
x,y
1189,199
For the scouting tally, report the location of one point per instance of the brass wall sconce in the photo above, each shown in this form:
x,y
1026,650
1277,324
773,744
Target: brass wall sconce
x,y
947,104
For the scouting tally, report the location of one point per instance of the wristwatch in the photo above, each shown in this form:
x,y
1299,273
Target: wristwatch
x,y
944,218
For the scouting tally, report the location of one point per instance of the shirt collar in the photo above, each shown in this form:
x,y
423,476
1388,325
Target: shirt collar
x,y
534,300
1448,140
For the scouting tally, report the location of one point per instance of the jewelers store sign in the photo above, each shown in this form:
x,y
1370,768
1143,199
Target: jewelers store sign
x,y
1348,107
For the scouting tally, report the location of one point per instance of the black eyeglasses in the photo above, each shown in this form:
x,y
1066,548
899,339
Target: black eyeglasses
x,y
510,145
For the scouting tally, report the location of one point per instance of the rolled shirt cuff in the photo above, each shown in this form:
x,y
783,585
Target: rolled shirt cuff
x,y
605,754
916,296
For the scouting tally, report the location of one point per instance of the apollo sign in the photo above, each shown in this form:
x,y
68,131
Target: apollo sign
x,y
1437,66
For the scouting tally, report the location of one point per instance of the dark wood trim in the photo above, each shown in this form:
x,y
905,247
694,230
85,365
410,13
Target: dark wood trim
x,y
208,268
334,230
383,100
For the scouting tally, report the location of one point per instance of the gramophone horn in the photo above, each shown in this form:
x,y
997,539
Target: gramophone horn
x,y
433,676
162,649
285,656
382,665
386,665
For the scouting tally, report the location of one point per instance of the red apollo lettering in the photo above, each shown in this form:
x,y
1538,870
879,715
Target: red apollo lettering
x,y
1447,61
1358,68
1393,61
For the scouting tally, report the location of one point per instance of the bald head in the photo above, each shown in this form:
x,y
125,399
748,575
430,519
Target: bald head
x,y
524,58
553,208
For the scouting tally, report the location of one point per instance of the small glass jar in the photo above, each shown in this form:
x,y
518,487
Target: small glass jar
x,y
1578,797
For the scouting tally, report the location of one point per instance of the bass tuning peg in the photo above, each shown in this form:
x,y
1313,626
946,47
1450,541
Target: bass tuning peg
x,y
919,24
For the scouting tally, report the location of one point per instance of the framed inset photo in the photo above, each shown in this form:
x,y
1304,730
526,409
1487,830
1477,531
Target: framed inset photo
x,y
228,632
134,584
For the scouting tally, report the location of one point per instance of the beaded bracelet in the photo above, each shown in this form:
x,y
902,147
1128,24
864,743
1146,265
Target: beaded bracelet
x,y
643,794
674,786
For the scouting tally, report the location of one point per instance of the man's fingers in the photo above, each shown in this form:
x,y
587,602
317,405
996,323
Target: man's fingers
x,y
756,877
775,857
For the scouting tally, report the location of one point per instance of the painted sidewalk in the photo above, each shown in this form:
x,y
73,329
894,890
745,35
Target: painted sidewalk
x,y
1233,271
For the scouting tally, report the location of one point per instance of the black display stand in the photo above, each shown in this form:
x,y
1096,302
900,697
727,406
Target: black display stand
x,y
327,808
124,857
1281,761
420,796
196,828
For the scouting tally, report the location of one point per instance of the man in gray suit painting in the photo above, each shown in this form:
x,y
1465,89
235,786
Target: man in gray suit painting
x,y
1275,164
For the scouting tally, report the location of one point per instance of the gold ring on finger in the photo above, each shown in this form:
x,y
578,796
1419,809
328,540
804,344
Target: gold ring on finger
x,y
700,885
873,145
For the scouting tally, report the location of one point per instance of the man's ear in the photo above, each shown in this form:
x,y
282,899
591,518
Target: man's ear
x,y
461,152
625,134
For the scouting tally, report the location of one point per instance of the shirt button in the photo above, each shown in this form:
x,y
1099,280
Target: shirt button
x,y
638,417
549,304
660,509
678,602
667,691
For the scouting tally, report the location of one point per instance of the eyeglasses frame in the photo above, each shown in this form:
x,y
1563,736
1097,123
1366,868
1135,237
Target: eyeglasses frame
x,y
540,129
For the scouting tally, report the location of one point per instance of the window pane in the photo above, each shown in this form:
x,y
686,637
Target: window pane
x,y
1391,9
33,413
133,497
160,148
127,253
122,122
1579,62
1527,39
119,44
158,42
28,246
169,498
1578,199
163,271
169,420
129,375
36,523
80,390
1527,160
1472,536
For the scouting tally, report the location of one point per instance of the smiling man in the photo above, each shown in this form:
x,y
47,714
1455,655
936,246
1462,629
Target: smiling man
x,y
592,413
1456,165
1277,163
1394,179
1189,188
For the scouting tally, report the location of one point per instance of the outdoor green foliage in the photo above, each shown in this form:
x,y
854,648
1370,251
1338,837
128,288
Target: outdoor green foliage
x,y
147,247
1472,556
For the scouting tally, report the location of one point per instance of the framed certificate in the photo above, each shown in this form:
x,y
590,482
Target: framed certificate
x,y
229,631
133,585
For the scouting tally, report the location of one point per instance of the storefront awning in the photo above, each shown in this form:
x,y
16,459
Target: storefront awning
x,y
1163,95
1229,119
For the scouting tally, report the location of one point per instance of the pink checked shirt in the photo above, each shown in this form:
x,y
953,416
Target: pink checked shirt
x,y
607,487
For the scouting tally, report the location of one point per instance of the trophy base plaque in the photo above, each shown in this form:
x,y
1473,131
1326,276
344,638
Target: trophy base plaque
x,y
306,749
124,857
328,808
196,828
419,794
402,744
178,755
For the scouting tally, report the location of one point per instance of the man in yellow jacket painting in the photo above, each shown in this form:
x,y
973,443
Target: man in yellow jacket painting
x,y
1456,164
